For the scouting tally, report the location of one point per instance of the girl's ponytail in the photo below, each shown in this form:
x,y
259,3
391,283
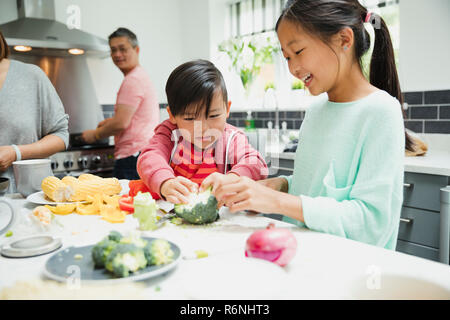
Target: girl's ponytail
x,y
383,71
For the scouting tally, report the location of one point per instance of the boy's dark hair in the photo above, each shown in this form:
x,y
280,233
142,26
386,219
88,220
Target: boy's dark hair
x,y
124,32
193,84
4,49
325,18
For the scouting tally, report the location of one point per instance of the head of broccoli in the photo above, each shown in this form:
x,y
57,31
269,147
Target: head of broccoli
x,y
158,252
125,258
201,208
101,251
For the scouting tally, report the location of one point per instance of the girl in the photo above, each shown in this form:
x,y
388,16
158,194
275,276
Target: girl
x,y
196,142
348,175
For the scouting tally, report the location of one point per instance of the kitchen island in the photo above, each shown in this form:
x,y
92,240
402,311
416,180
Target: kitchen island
x,y
324,267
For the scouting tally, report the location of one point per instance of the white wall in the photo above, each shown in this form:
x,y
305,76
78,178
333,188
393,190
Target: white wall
x,y
157,26
170,32
424,61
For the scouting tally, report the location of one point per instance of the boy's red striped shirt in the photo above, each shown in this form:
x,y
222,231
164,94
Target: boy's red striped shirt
x,y
193,164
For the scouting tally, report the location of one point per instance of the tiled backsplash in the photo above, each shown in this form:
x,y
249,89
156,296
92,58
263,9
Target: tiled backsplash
x,y
428,112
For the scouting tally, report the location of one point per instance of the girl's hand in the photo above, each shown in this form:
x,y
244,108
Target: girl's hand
x,y
216,180
177,190
7,157
247,194
278,184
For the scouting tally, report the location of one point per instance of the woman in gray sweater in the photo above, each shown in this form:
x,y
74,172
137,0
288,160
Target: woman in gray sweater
x,y
33,123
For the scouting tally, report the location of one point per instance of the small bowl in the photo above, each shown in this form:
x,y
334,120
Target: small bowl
x,y
4,185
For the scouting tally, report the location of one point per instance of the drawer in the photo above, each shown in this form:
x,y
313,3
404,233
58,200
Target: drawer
x,y
418,250
422,229
423,191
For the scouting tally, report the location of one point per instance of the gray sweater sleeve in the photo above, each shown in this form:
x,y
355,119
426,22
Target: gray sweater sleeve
x,y
54,119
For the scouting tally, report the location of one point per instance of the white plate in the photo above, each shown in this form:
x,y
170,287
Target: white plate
x,y
40,198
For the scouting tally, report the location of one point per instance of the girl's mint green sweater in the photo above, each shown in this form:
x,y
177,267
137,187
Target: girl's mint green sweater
x,y
349,168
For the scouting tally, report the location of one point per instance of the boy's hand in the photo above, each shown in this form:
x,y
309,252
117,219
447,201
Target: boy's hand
x,y
177,190
217,180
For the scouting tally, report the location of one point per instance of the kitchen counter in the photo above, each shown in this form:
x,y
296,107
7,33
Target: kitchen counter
x,y
325,266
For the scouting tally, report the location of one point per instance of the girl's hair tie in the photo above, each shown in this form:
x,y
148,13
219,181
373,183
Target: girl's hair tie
x,y
368,15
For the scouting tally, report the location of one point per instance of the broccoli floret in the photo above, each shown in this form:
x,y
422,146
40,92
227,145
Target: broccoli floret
x,y
136,240
201,208
158,252
115,236
125,258
101,251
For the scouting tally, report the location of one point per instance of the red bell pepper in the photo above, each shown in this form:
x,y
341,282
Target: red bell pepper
x,y
139,185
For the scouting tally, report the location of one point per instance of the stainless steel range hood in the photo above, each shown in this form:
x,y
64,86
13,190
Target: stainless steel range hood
x,y
37,28
50,41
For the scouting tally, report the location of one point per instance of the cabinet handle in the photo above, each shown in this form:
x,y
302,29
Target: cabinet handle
x,y
406,220
408,185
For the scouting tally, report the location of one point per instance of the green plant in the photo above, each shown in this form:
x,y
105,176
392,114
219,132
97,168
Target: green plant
x,y
269,85
298,84
248,55
202,208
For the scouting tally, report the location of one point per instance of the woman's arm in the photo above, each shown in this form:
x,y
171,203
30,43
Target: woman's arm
x,y
43,148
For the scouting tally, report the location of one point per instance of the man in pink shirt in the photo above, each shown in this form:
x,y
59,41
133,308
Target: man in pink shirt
x,y
136,113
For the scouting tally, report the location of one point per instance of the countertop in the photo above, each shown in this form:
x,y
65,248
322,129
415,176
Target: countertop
x,y
324,267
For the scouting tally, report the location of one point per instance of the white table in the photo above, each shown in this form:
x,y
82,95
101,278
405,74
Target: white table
x,y
325,266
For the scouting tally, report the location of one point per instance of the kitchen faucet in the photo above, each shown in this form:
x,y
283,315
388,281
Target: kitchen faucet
x,y
271,91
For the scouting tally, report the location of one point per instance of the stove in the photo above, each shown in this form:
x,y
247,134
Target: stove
x,y
82,158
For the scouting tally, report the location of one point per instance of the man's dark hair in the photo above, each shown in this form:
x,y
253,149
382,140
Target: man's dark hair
x,y
4,49
193,84
124,32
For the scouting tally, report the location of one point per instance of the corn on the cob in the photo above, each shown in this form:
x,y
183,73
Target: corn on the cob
x,y
73,185
55,189
107,186
88,176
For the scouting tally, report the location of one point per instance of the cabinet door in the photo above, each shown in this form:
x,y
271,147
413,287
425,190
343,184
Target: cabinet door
x,y
423,190
420,227
418,250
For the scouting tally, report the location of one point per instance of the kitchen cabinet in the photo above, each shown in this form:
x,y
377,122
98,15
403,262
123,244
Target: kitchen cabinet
x,y
425,218
420,231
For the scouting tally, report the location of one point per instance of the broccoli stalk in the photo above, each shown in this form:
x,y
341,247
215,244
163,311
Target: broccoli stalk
x,y
145,209
201,208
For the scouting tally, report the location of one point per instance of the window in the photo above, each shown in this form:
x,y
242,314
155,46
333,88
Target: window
x,y
251,28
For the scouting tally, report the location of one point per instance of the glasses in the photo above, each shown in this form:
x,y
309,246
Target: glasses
x,y
121,50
